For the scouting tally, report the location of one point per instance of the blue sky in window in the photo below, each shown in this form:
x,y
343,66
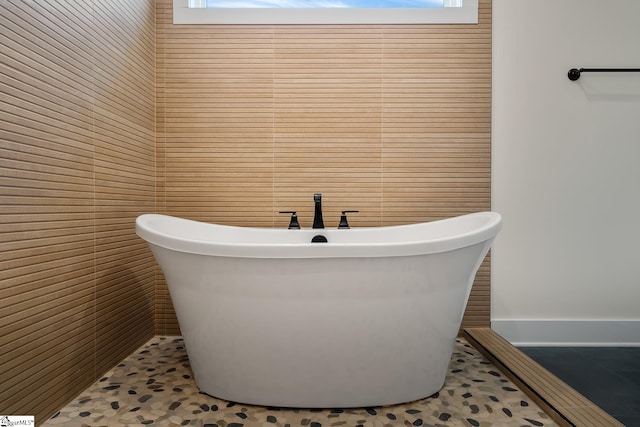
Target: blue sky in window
x,y
325,3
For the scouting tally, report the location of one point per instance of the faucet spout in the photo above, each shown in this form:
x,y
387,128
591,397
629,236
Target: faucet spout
x,y
317,217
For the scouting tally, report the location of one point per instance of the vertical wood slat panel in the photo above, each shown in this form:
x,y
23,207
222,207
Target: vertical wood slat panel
x,y
391,120
77,147
31,129
124,170
165,319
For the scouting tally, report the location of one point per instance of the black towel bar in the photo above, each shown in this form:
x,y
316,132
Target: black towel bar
x,y
574,73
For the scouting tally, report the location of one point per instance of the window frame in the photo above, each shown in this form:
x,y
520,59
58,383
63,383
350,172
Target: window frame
x,y
467,14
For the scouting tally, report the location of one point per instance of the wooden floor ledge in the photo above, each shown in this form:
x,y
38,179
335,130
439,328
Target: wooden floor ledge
x,y
561,402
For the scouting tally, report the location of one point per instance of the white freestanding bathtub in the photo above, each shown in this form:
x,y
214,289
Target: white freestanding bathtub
x,y
368,318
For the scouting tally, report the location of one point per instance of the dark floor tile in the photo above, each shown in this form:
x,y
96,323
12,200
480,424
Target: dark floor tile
x,y
633,376
626,358
616,404
629,421
608,376
550,352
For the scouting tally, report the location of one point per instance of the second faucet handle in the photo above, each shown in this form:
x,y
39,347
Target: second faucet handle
x,y
343,219
293,223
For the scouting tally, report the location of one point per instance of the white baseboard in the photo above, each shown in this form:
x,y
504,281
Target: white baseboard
x,y
561,333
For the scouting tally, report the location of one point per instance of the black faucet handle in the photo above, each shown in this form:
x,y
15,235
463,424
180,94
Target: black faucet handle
x,y
343,219
293,223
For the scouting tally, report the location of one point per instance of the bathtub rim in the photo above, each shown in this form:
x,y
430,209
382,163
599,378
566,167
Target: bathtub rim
x,y
487,224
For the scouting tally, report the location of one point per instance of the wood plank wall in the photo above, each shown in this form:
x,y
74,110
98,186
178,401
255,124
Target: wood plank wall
x,y
393,121
77,144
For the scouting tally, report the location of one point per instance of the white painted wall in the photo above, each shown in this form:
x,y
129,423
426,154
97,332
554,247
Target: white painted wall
x,y
566,172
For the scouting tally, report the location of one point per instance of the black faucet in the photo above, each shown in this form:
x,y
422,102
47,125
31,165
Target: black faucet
x,y
317,216
293,223
343,219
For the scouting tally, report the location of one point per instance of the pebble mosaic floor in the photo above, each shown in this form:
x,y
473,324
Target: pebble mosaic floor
x,y
154,386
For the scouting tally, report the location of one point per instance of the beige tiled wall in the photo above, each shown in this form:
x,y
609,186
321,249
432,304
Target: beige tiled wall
x,y
393,121
77,146
109,111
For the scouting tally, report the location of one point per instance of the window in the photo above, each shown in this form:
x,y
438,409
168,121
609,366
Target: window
x,y
325,11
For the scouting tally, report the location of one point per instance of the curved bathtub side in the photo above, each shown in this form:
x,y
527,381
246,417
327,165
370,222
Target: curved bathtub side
x,y
404,240
324,332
